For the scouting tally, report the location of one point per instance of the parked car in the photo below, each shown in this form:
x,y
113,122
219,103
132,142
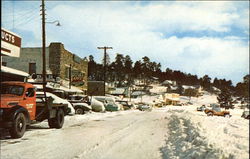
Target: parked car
x,y
126,105
201,108
216,110
81,103
96,105
109,103
144,107
245,114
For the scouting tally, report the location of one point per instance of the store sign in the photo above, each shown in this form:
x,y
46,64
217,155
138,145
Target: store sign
x,y
77,78
10,43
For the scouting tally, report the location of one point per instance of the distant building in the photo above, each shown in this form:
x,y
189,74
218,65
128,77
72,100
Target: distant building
x,y
171,98
120,92
59,62
169,83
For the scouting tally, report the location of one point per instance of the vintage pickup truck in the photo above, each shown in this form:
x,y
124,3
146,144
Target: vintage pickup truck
x,y
21,106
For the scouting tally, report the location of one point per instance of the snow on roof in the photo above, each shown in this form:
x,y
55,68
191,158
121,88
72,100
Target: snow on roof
x,y
168,82
158,89
188,87
136,93
73,89
173,87
118,91
216,89
14,71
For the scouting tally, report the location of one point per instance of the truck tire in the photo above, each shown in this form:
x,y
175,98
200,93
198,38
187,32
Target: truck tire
x,y
19,126
58,121
79,111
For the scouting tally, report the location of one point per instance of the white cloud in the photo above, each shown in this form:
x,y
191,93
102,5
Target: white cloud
x,y
148,30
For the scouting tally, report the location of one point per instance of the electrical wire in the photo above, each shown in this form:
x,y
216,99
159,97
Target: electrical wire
x,y
25,15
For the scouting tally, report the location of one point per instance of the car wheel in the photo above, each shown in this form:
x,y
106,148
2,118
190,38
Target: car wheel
x,y
226,115
19,126
79,111
209,114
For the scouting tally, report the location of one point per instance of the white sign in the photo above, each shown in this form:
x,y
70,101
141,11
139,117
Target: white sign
x,y
10,43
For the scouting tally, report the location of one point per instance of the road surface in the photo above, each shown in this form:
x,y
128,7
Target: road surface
x,y
132,135
165,133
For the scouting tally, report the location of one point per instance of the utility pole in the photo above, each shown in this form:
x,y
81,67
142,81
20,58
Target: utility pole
x,y
70,66
43,52
104,63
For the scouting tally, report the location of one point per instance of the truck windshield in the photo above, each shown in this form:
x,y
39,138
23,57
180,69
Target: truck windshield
x,y
12,89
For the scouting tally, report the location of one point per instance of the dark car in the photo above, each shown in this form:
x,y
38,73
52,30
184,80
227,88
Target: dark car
x,y
201,108
246,114
81,103
126,105
144,107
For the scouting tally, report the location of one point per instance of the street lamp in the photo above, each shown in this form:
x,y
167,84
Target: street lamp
x,y
56,21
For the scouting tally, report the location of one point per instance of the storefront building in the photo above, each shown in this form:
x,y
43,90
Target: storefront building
x,y
59,63
10,47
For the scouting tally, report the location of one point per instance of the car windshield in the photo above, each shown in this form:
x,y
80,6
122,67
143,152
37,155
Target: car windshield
x,y
12,89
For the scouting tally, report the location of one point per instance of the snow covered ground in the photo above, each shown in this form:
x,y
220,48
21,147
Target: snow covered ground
x,y
171,132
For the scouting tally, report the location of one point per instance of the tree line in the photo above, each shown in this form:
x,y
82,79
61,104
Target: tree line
x,y
123,71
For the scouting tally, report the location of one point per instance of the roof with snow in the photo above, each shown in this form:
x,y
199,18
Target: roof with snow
x,y
14,71
188,87
118,91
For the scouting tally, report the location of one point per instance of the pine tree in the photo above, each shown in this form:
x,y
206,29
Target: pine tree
x,y
225,99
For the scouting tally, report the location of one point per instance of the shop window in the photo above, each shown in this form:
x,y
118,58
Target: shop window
x,y
4,63
32,68
67,72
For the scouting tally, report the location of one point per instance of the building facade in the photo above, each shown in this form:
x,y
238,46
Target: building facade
x,y
59,63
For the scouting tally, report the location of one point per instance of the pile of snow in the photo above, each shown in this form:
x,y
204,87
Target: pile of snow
x,y
186,140
193,134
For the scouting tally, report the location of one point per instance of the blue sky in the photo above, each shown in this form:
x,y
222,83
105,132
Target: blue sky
x,y
201,38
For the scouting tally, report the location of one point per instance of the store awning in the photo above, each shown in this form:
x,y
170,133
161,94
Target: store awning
x,y
13,71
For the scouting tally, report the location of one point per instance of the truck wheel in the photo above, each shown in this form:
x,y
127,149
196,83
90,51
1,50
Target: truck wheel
x,y
79,111
19,126
58,121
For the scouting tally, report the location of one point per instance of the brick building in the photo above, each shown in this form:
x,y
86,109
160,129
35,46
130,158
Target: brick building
x,y
59,62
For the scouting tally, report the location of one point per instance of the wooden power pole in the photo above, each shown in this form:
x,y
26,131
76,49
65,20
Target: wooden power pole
x,y
44,52
104,64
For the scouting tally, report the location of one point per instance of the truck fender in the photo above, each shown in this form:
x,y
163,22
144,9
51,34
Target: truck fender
x,y
18,109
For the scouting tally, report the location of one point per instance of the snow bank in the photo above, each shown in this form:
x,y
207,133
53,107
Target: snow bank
x,y
192,134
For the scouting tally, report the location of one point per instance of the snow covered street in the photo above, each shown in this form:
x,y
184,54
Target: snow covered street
x,y
170,132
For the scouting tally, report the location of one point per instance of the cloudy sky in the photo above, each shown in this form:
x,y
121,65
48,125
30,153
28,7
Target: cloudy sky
x,y
194,37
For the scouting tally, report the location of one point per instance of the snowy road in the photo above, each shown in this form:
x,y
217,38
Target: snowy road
x,y
165,133
131,135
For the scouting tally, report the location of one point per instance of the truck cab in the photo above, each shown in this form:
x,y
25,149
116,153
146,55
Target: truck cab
x,y
19,107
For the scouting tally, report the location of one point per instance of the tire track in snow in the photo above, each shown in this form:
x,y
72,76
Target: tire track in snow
x,y
185,141
139,138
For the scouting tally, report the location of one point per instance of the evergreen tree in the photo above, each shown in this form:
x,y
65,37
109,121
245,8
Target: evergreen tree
x,y
225,99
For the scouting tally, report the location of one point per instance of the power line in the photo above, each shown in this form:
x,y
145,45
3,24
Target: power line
x,y
21,17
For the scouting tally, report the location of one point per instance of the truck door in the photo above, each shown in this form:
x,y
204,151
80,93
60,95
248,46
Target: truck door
x,y
30,102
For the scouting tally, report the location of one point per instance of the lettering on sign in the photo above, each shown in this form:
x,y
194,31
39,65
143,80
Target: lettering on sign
x,y
10,38
29,106
10,43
